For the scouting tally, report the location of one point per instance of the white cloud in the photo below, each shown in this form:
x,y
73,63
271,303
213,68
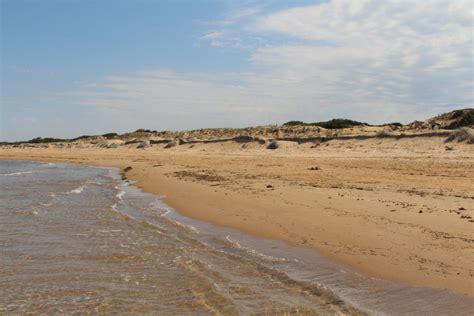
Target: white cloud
x,y
222,38
235,15
213,35
410,54
227,31
368,60
183,100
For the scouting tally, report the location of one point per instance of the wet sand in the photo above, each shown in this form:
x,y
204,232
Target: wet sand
x,y
396,209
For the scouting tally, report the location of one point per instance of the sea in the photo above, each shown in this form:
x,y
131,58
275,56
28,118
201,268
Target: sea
x,y
76,239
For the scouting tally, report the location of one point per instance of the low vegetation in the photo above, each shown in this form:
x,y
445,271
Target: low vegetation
x,y
40,140
81,137
141,130
463,134
456,120
273,145
383,134
110,135
396,124
172,143
295,123
331,124
462,118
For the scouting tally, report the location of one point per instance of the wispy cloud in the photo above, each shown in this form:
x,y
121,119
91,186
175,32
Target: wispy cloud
x,y
222,38
229,30
369,60
395,52
236,15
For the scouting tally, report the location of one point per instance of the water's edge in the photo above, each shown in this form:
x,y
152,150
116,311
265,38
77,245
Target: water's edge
x,y
336,283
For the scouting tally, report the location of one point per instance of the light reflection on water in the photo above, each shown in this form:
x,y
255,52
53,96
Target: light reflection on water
x,y
78,239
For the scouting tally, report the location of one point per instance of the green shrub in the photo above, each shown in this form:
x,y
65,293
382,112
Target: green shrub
x,y
383,134
80,137
294,123
40,140
332,124
462,119
110,135
398,124
463,134
141,130
338,123
273,145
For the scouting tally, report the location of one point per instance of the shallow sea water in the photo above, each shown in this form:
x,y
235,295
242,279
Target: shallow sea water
x,y
77,239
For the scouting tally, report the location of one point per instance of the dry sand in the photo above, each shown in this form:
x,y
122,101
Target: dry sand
x,y
400,209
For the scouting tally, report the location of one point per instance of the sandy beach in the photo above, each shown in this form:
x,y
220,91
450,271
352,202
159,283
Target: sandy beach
x,y
237,157
395,208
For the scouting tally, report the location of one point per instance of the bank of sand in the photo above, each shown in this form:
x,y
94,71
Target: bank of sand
x,y
400,209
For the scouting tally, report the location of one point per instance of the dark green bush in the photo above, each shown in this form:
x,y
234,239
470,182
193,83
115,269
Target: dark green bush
x,y
394,124
294,123
332,124
338,123
110,135
81,137
462,119
40,140
141,130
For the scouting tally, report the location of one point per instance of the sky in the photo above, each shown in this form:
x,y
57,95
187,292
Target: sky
x,y
81,67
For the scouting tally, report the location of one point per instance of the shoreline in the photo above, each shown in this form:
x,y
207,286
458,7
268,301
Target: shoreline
x,y
264,205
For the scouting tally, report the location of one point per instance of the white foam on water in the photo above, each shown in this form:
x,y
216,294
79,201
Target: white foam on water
x,y
155,226
256,253
49,164
167,211
175,222
185,226
120,194
115,209
77,190
20,173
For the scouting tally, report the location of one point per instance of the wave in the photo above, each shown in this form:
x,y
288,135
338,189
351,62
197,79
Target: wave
x,y
115,209
77,190
120,194
16,173
167,211
256,253
156,227
49,164
179,224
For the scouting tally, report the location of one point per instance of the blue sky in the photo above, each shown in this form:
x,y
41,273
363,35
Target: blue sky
x,y
70,68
